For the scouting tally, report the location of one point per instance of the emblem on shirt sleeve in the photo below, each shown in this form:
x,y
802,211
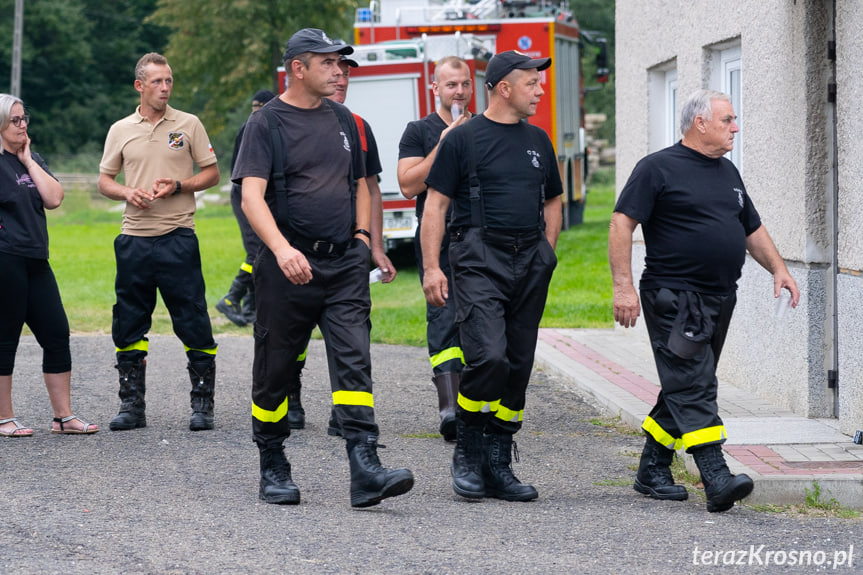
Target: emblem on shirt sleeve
x,y
739,196
534,159
176,140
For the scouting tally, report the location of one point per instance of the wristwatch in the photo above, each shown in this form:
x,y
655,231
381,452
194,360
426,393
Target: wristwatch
x,y
363,232
178,187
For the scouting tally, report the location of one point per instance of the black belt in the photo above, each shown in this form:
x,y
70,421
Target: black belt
x,y
511,241
318,247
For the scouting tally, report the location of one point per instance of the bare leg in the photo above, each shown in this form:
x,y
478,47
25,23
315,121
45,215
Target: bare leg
x,y
59,386
6,411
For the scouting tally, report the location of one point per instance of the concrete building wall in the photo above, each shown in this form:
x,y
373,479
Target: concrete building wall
x,y
849,62
787,147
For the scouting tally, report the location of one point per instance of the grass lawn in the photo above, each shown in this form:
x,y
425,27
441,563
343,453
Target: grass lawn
x,y
82,231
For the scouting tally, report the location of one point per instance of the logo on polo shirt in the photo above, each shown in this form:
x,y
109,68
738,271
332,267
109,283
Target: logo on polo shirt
x,y
347,143
176,140
739,196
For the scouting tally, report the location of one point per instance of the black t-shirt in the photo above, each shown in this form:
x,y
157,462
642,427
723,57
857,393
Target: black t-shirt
x,y
418,140
317,159
512,160
695,215
23,227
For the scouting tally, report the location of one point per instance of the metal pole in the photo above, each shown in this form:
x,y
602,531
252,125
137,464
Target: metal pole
x,y
16,48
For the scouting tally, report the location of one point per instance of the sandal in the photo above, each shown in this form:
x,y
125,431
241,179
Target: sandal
x,y
17,431
84,431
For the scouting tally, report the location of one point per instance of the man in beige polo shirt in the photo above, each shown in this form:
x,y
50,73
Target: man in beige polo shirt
x,y
157,148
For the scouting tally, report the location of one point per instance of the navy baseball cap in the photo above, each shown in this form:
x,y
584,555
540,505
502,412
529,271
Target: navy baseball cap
x,y
502,64
313,40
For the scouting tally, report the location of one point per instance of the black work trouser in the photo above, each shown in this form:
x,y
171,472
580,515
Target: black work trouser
x,y
30,295
686,413
445,351
337,300
170,263
500,292
251,242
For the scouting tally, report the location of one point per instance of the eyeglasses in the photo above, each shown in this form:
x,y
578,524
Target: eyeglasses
x,y
257,105
16,120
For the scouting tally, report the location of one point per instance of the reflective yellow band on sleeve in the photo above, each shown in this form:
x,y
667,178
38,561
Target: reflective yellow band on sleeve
x,y
703,436
142,345
246,267
268,416
660,435
211,351
507,414
363,398
478,406
446,355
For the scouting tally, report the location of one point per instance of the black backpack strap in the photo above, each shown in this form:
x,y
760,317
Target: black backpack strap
x,y
535,141
477,211
277,171
347,121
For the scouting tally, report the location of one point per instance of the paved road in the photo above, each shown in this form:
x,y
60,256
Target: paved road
x,y
164,500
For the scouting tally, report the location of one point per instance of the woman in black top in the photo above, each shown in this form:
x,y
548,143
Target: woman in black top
x,y
28,289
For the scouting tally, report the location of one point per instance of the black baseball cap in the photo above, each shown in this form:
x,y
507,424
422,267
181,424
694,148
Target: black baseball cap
x,y
263,96
349,62
313,40
502,64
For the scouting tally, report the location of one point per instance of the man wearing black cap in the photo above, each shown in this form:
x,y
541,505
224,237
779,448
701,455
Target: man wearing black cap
x,y
698,222
501,175
238,304
296,412
304,193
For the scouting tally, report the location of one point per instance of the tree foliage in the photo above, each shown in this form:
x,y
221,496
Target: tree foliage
x,y
598,16
222,51
77,61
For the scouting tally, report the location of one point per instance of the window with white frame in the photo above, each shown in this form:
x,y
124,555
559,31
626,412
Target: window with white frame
x,y
727,76
663,120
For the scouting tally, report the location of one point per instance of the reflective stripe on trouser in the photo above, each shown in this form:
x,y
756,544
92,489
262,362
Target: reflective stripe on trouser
x,y
445,353
686,410
172,264
337,300
500,296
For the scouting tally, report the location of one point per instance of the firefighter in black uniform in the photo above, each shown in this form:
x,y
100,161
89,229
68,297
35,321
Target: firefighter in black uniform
x,y
501,175
417,150
305,195
698,221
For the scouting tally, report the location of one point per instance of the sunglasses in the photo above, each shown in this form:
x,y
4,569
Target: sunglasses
x,y
16,120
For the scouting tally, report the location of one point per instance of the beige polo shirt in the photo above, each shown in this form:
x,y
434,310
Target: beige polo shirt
x,y
145,153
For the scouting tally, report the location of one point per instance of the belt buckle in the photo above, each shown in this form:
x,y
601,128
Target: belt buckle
x,y
316,247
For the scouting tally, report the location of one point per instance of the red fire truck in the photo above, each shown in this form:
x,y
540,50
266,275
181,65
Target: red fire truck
x,y
397,43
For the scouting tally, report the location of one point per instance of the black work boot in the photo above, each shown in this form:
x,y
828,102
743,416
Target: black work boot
x,y
132,389
371,483
500,481
203,376
231,304
276,483
248,308
466,469
334,428
654,473
720,485
447,395
296,413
